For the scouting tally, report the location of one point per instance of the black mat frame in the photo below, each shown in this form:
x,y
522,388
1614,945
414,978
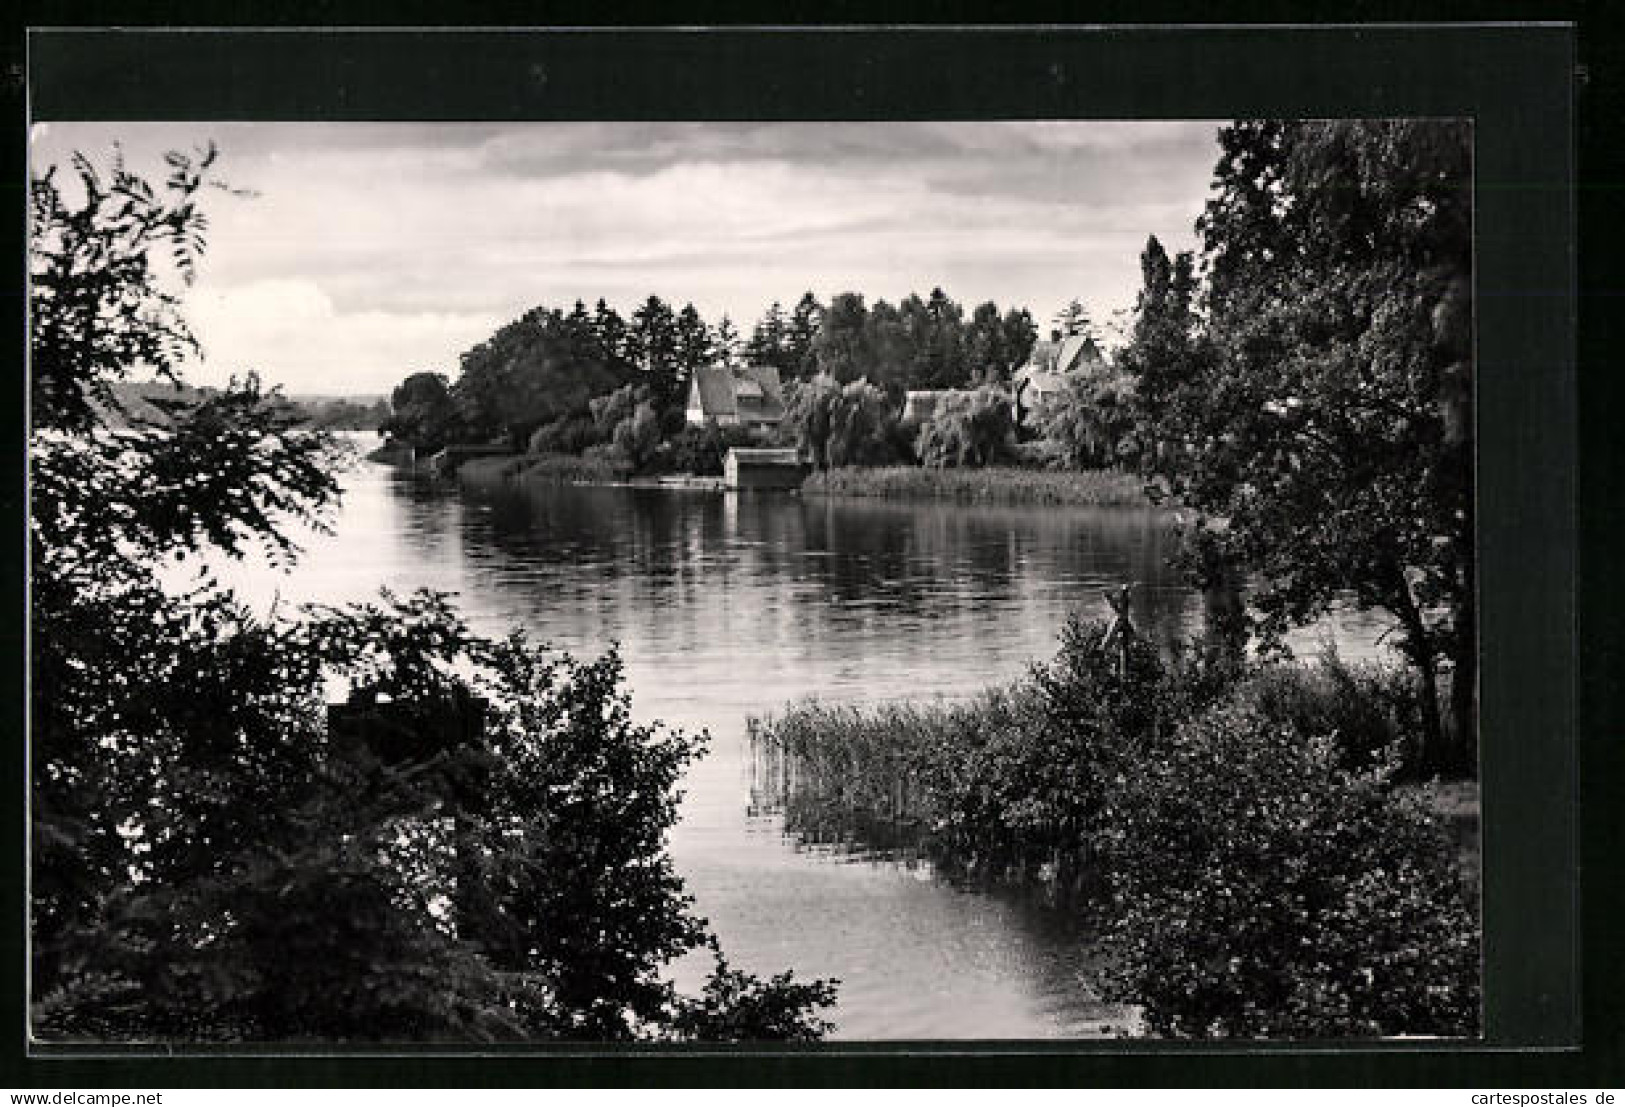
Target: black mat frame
x,y
1514,82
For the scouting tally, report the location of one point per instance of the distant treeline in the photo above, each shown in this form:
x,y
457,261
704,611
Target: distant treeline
x,y
546,367
157,402
342,413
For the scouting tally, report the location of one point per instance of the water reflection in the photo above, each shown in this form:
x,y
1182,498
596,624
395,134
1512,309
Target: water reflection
x,y
730,604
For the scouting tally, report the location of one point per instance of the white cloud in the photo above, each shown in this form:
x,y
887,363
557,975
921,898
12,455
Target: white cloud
x,y
375,250
290,332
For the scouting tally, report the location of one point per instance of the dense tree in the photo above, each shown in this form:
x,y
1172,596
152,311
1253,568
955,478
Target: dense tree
x,y
803,328
343,414
1020,333
836,424
1325,442
933,326
210,859
839,349
423,413
769,342
529,374
608,411
985,354
967,430
702,449
652,342
1093,420
887,349
610,337
809,406
1074,319
727,342
571,434
862,426
638,435
696,345
1163,354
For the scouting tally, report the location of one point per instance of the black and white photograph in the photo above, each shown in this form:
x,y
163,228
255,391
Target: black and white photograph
x,y
667,582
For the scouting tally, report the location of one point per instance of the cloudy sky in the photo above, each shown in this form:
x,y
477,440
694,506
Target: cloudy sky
x,y
374,250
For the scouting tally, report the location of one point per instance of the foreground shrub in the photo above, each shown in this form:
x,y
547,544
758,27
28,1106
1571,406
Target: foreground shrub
x,y
275,880
472,848
1009,785
1260,889
1236,829
1372,712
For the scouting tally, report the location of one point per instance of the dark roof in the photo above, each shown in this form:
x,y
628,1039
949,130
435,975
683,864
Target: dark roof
x,y
1077,351
720,389
714,386
1043,355
1072,353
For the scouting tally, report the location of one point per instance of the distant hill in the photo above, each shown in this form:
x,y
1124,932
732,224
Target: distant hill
x,y
141,403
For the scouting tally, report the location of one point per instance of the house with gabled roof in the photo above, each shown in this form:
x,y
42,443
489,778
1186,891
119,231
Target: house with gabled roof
x,y
736,396
1049,366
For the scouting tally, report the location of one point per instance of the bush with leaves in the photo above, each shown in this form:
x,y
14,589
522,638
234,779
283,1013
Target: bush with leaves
x,y
973,430
1260,889
1371,711
701,450
569,434
1009,785
637,437
862,426
211,859
1093,421
424,414
836,424
1256,872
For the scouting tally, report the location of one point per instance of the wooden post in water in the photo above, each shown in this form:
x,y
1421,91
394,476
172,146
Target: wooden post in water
x,y
1121,631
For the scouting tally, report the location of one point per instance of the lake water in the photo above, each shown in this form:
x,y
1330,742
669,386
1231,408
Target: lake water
x,y
731,604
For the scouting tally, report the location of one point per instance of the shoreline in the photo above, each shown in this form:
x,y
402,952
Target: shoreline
x,y
991,485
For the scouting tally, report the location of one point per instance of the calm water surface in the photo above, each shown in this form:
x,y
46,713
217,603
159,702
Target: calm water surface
x,y
731,604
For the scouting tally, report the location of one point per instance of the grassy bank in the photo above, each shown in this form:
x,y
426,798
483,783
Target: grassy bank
x,y
546,468
1237,832
990,485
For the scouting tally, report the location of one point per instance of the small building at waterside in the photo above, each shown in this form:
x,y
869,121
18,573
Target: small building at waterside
x,y
763,468
748,396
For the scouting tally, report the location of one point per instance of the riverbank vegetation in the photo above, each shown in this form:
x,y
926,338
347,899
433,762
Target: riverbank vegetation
x,y
1303,394
469,847
1236,823
546,468
993,484
1242,835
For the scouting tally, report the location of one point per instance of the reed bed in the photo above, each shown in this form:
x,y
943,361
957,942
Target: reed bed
x,y
1248,870
994,484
